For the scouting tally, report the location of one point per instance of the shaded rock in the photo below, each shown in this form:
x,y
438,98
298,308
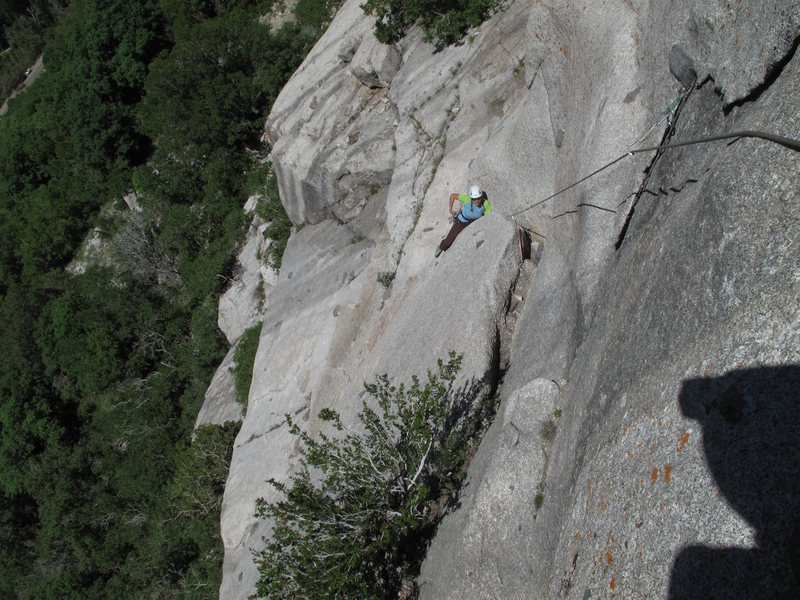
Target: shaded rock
x,y
548,331
473,555
242,304
735,43
629,485
375,64
220,404
681,65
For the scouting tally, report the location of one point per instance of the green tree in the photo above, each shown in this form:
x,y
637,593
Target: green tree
x,y
243,358
103,373
271,209
351,524
30,419
316,14
445,21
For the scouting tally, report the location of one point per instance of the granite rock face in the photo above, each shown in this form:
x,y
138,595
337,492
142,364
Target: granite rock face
x,y
242,305
674,340
645,443
331,326
220,404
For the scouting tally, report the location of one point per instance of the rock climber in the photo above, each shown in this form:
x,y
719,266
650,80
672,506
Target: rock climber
x,y
475,206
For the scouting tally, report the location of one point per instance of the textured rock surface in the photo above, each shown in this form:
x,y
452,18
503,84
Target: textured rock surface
x,y
329,328
332,135
220,405
242,305
640,495
660,322
488,536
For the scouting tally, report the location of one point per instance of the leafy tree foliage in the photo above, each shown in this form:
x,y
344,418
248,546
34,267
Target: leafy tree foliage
x,y
244,357
24,25
103,493
270,209
445,21
353,519
316,14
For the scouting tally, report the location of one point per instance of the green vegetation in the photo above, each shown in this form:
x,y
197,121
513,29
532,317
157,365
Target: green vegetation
x,y
355,519
385,278
445,21
548,431
103,493
271,210
244,357
23,30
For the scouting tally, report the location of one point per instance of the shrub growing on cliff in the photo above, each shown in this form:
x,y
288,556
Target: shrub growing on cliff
x,y
443,20
270,209
353,521
243,358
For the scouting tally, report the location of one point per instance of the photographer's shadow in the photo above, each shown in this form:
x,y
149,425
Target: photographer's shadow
x,y
751,436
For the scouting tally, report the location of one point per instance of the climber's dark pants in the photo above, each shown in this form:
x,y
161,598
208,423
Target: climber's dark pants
x,y
457,228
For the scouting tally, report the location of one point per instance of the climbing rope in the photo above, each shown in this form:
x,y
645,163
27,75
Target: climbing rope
x,y
787,142
668,114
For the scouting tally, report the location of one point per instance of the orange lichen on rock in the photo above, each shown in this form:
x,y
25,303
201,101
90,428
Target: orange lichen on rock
x,y
654,476
608,557
613,583
682,441
667,473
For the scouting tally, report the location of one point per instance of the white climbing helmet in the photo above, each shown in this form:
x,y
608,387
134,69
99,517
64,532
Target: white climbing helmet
x,y
475,192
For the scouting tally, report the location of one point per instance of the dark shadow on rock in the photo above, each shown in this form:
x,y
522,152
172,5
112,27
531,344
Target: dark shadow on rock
x,y
472,408
465,402
751,436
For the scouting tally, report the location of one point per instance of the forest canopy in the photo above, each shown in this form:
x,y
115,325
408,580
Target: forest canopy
x,y
103,494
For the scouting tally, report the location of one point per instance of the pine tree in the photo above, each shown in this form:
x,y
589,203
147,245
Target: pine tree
x,y
353,518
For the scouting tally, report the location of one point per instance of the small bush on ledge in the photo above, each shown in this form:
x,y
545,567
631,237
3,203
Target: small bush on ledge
x,y
445,21
355,519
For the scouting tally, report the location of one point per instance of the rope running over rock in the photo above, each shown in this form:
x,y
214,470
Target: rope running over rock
x,y
787,142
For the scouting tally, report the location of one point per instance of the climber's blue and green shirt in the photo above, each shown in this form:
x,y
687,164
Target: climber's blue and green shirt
x,y
470,212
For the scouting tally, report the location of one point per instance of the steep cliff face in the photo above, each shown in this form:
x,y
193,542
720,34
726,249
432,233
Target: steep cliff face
x,y
655,328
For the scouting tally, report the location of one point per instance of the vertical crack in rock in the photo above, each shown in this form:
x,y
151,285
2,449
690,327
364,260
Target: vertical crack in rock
x,y
773,72
668,134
